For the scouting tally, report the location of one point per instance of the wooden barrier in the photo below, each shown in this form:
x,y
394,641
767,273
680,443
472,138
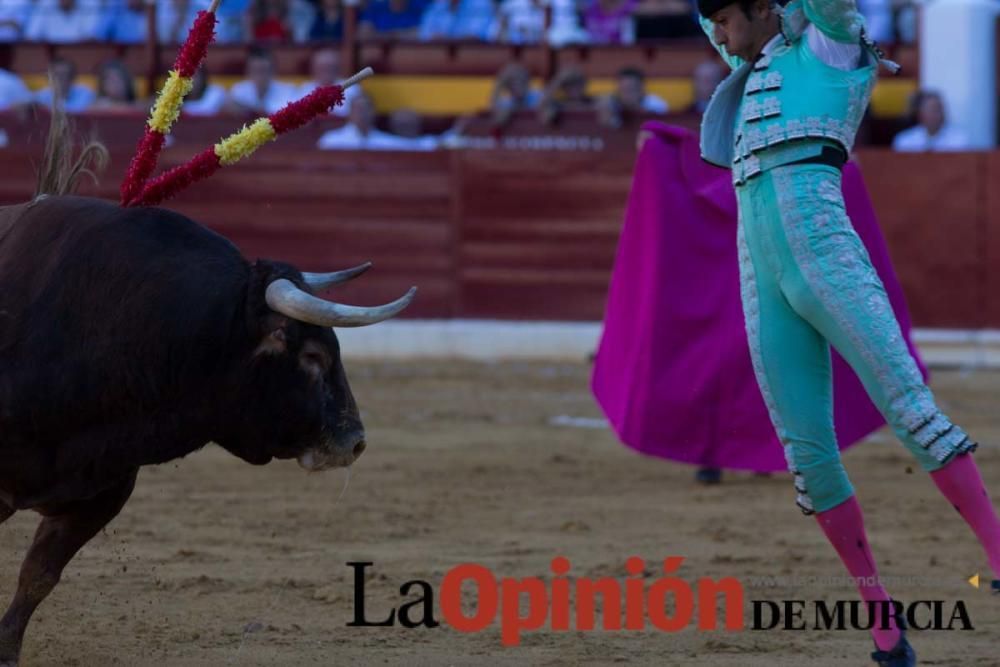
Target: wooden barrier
x,y
991,248
932,210
519,232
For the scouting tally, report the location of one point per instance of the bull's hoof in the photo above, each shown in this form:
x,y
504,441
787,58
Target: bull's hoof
x,y
9,652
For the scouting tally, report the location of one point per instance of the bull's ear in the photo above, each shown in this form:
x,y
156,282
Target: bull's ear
x,y
274,340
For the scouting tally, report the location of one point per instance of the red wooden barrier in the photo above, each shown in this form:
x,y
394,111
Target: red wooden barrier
x,y
531,234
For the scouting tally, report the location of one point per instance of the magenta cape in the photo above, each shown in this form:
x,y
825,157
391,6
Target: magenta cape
x,y
673,371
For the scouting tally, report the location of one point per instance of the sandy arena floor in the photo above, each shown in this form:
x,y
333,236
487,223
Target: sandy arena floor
x,y
214,562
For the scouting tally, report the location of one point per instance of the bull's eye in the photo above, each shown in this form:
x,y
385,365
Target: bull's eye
x,y
314,360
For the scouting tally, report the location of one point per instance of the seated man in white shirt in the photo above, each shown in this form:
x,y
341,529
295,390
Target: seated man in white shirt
x,y
125,22
932,132
64,21
632,93
13,91
175,17
14,17
76,98
205,98
359,133
879,22
325,69
706,77
629,98
407,127
521,21
260,93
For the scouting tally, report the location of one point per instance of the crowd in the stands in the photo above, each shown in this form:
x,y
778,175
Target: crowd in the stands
x,y
267,24
307,21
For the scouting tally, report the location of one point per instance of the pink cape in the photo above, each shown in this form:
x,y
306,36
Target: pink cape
x,y
673,371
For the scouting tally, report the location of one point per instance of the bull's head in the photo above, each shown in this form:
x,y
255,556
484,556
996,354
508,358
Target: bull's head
x,y
296,401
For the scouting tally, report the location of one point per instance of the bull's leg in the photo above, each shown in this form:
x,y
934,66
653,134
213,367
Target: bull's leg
x,y
5,512
58,538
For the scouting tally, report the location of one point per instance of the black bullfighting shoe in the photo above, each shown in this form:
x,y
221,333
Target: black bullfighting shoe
x,y
995,586
901,655
708,475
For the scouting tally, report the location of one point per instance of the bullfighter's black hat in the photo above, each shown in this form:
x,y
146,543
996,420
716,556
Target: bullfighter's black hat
x,y
708,7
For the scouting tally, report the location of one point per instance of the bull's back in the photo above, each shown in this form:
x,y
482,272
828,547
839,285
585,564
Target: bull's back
x,y
81,272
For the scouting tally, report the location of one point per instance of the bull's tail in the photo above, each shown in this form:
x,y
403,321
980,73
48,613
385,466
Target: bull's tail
x,y
61,171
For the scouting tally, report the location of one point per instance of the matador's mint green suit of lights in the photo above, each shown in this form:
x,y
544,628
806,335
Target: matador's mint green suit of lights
x,y
807,280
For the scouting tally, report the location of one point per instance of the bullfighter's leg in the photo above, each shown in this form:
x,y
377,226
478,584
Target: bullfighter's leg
x,y
791,360
830,282
58,538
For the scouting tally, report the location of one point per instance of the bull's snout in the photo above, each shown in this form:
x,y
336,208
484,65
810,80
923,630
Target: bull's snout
x,y
337,453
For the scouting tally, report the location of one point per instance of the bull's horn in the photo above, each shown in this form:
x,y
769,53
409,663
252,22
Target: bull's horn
x,y
284,297
321,281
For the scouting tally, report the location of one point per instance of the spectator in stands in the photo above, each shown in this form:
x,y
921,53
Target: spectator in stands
x,y
407,126
301,17
13,91
565,27
666,19
271,21
706,78
459,19
328,26
512,92
878,19
633,96
175,17
325,68
260,93
64,21
907,21
521,21
14,15
566,92
75,97
391,18
231,25
359,133
932,131
125,22
115,88
630,99
205,98
610,21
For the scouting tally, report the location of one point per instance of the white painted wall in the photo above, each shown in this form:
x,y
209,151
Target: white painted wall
x,y
495,340
957,57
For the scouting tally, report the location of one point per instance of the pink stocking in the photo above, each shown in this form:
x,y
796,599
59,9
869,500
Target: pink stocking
x,y
845,529
962,485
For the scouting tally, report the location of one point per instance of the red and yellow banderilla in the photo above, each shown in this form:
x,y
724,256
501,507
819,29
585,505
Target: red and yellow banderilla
x,y
241,144
169,101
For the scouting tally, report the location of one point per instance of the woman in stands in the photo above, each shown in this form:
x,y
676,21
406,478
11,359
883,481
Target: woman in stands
x,y
115,89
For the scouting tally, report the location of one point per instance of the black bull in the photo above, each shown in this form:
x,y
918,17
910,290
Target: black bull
x,y
134,336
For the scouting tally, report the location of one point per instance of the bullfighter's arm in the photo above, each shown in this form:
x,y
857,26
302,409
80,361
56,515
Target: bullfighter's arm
x,y
839,20
732,61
